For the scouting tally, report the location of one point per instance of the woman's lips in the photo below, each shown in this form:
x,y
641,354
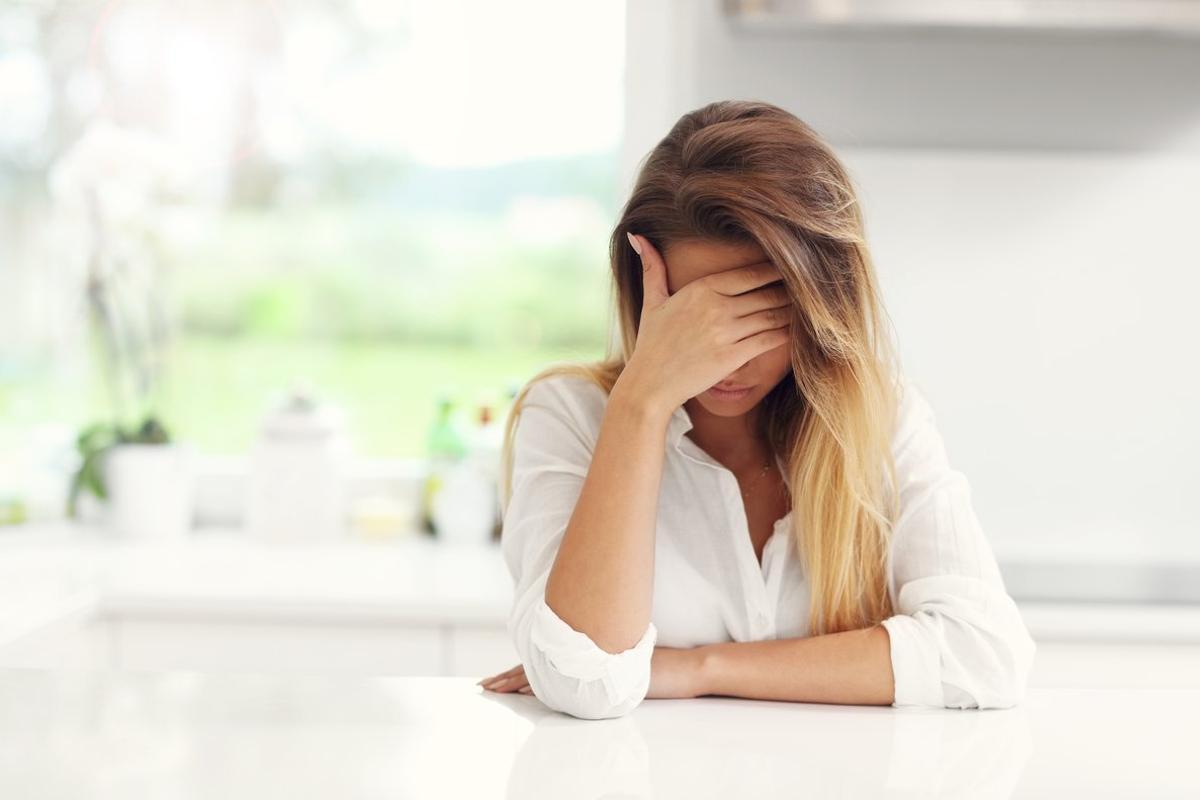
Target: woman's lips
x,y
730,392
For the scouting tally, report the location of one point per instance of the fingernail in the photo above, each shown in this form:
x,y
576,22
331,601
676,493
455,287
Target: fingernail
x,y
637,248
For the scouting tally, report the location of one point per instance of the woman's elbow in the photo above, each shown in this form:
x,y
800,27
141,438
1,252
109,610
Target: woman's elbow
x,y
1000,676
593,698
568,672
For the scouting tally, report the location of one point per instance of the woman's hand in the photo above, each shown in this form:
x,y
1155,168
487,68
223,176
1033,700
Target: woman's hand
x,y
511,680
708,329
674,672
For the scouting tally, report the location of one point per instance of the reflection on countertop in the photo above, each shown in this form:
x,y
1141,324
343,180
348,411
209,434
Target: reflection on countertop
x,y
163,734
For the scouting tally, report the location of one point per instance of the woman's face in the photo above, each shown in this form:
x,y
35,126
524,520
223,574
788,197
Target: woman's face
x,y
691,259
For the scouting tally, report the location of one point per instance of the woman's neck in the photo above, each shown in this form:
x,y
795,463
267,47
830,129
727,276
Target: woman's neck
x,y
733,441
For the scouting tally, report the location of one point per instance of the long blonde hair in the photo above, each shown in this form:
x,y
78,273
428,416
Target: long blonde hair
x,y
744,171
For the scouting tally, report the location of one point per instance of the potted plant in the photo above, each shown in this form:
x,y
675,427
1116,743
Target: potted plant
x,y
143,477
111,180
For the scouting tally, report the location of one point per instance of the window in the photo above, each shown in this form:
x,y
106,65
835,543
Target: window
x,y
388,201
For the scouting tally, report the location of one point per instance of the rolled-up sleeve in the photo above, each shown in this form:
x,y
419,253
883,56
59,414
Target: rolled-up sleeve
x,y
957,638
553,442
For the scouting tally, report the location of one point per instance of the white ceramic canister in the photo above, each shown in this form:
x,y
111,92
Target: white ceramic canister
x,y
296,488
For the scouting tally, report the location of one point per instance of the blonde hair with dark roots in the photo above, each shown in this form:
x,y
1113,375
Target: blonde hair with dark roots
x,y
746,171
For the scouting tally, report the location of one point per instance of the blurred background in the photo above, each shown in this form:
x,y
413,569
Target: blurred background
x,y
386,199
254,249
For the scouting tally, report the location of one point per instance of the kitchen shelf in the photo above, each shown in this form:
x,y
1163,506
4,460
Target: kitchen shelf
x,y
1163,17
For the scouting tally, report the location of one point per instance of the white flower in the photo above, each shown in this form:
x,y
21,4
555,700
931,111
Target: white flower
x,y
127,170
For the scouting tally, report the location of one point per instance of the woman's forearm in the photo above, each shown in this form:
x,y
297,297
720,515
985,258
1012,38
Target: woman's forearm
x,y
602,580
852,667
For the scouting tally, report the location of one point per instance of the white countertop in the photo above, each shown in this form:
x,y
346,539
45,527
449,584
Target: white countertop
x,y
190,735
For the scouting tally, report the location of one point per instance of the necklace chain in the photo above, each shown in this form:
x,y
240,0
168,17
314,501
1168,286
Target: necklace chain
x,y
766,468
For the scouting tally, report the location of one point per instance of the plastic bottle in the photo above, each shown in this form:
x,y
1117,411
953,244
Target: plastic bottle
x,y
445,447
463,506
487,440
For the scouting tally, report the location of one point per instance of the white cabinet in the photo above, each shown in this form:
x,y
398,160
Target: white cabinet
x,y
222,602
273,647
231,645
297,647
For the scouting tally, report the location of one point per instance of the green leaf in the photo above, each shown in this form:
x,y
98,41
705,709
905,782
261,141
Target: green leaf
x,y
92,476
94,442
94,437
74,492
153,432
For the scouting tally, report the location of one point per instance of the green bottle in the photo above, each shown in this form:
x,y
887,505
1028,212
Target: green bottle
x,y
445,445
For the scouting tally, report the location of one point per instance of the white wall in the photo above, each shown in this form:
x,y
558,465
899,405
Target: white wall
x,y
1032,203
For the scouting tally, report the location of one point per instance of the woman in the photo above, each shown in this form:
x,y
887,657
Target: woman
x,y
649,522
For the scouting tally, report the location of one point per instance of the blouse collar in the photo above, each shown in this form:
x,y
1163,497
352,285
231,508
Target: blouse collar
x,y
681,423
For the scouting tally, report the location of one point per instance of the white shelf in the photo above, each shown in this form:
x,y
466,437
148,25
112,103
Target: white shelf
x,y
1164,17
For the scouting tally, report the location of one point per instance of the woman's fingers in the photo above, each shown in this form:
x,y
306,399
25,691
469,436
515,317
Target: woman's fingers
x,y
759,343
507,681
654,272
519,668
759,321
771,296
742,279
511,684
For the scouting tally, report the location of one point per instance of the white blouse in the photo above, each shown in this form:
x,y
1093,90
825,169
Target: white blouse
x,y
957,639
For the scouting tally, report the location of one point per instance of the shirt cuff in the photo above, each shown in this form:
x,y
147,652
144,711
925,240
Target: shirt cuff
x,y
574,654
916,663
